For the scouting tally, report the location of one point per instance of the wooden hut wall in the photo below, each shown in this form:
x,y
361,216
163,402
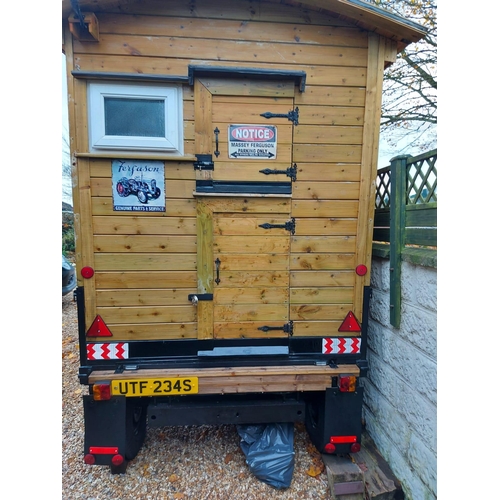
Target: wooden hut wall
x,y
145,263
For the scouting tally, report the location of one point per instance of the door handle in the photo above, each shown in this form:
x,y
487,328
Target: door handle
x,y
217,269
216,132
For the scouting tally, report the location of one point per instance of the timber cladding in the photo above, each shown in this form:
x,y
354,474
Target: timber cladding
x,y
147,263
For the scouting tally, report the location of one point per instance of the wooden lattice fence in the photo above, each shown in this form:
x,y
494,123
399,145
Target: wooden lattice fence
x,y
412,180
405,213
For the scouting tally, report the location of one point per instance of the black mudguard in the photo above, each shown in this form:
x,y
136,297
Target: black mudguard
x,y
118,422
334,413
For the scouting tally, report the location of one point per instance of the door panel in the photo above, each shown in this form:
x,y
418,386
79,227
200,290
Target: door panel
x,y
252,285
246,267
247,110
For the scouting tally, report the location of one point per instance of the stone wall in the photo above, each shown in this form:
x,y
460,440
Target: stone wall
x,y
400,406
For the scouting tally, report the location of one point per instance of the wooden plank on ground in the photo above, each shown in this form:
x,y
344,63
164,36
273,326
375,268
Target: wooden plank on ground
x,y
380,481
344,475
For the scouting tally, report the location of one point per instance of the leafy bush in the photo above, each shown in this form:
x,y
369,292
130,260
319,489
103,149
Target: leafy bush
x,y
68,233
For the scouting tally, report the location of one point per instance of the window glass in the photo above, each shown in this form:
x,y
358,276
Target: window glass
x,y
134,117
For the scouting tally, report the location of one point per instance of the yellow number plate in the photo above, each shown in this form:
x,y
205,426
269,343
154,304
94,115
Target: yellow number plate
x,y
154,387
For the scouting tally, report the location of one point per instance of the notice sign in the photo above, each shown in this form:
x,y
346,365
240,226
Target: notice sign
x,y
254,142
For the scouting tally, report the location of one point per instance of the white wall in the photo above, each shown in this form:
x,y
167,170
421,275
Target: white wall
x,y
400,406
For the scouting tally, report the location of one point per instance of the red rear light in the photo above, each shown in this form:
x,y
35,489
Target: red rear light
x,y
117,460
355,447
347,383
329,448
342,439
103,450
89,459
101,391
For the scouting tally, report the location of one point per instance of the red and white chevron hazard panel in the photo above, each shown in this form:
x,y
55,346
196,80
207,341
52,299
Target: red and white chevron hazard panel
x,y
116,350
339,345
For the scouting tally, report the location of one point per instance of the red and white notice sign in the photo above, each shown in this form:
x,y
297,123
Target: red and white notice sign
x,y
254,142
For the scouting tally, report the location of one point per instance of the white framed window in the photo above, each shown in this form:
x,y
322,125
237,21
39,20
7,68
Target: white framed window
x,y
128,116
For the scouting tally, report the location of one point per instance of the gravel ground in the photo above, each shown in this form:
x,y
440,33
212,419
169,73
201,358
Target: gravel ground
x,y
178,463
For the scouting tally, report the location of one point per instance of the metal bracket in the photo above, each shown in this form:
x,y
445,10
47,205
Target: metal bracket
x,y
78,13
289,172
204,162
200,296
289,225
287,328
292,116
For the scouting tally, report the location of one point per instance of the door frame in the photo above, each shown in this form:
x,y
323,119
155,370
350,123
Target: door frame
x,y
280,85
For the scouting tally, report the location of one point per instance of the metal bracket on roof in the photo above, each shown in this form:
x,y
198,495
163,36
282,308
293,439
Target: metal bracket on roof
x,y
78,12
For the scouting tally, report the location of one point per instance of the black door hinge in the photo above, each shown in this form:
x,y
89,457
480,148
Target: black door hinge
x,y
203,162
292,116
288,225
289,172
287,328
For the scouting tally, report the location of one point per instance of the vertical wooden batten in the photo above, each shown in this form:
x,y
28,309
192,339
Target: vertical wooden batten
x,y
377,53
80,171
205,268
203,119
204,224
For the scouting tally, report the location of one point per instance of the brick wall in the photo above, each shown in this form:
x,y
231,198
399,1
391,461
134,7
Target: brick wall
x,y
401,388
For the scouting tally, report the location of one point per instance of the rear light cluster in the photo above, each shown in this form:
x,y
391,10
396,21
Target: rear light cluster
x,y
101,391
117,459
347,383
334,440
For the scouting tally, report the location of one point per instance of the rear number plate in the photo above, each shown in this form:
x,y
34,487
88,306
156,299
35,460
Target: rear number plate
x,y
154,387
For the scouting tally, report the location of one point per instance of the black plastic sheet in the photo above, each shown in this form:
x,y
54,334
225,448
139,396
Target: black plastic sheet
x,y
268,449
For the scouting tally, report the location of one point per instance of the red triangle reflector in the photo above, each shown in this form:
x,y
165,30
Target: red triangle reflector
x,y
350,324
99,329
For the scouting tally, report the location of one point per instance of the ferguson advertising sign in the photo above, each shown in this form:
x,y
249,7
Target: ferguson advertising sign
x,y
254,142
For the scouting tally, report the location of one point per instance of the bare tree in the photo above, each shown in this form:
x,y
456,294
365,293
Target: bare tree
x,y
66,167
409,107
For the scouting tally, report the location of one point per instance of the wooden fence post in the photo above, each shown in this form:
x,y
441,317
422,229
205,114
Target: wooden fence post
x,y
397,233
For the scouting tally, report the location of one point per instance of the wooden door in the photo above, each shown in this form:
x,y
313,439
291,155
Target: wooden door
x,y
252,268
244,223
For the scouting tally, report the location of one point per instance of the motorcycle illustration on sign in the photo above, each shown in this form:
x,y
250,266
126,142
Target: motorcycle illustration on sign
x,y
138,186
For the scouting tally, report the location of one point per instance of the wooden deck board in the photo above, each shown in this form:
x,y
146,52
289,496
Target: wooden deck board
x,y
242,379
